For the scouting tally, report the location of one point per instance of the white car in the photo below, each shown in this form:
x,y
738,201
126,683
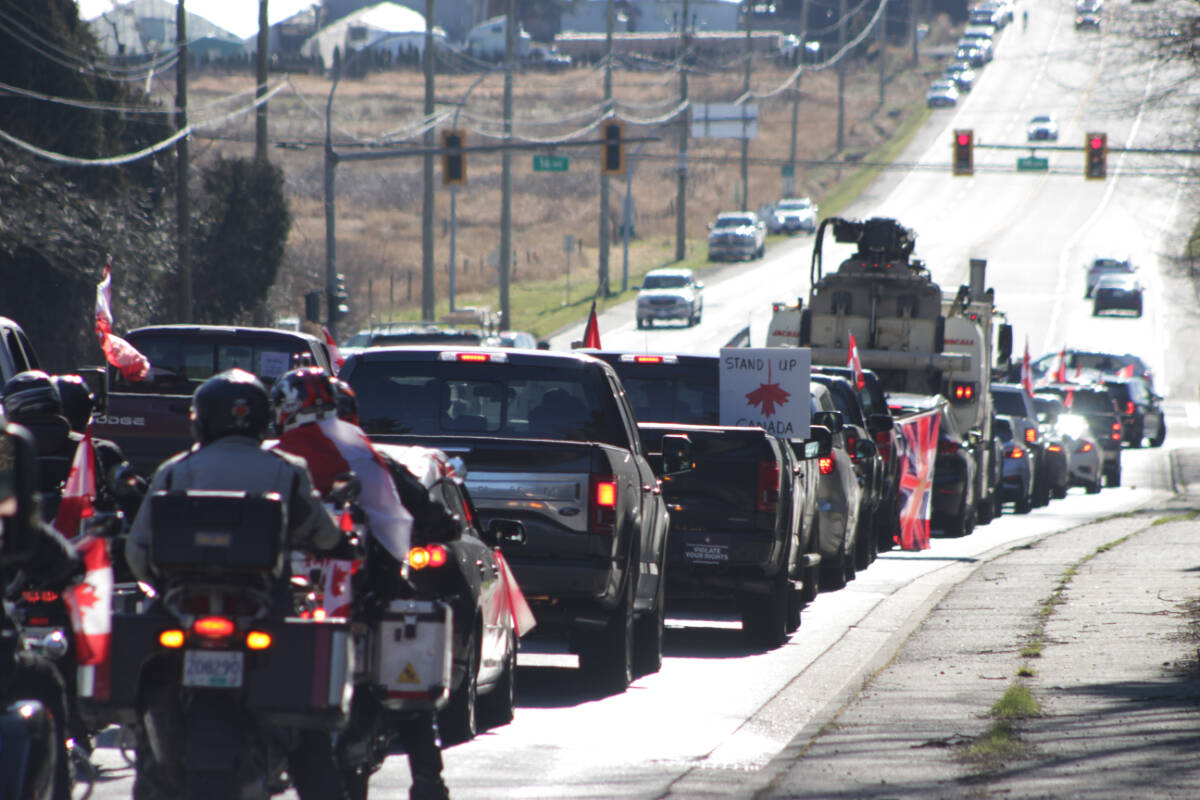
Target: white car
x,y
941,94
737,234
1042,128
669,293
792,215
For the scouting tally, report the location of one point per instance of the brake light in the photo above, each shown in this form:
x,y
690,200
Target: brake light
x,y
39,597
1031,435
433,555
213,627
172,638
768,485
648,360
1017,452
1116,431
1054,448
962,392
1130,407
602,516
258,640
851,446
883,444
1086,448
476,358
825,464
948,447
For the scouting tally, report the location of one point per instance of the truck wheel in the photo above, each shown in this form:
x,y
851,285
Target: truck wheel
x,y
498,707
648,633
833,573
765,616
1161,436
1112,475
864,545
1023,504
1094,487
458,721
607,656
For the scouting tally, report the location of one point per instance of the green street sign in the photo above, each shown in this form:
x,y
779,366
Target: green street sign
x,y
787,171
551,163
1033,164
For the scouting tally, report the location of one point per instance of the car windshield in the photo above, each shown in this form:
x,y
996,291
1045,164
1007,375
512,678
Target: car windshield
x,y
1040,119
1087,401
733,221
794,205
180,362
1111,265
665,282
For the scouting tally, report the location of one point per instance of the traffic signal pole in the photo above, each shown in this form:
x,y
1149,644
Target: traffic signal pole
x,y
427,211
602,281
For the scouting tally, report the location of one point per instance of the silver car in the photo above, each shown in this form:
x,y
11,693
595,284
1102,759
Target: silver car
x,y
839,497
669,294
941,94
1100,266
792,215
737,235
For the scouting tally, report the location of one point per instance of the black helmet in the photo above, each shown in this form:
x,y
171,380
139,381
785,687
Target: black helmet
x,y
347,401
302,395
77,400
31,393
232,402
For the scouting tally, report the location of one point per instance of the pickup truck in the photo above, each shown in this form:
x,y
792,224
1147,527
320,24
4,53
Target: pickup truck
x,y
16,353
549,441
150,419
742,517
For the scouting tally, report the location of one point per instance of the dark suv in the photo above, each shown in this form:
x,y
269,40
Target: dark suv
x,y
1094,403
1011,400
1141,415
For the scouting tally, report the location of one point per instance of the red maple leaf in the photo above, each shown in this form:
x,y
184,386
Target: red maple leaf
x,y
768,395
85,595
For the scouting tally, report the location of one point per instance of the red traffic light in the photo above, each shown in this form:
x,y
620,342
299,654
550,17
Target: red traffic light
x,y
964,153
963,138
1095,156
1095,142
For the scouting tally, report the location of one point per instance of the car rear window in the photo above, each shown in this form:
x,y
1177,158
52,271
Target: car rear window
x,y
678,393
181,362
1087,401
1009,403
438,398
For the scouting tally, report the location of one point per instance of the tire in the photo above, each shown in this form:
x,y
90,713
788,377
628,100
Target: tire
x,y
1023,504
796,604
1093,487
765,616
458,721
1060,492
607,656
1139,434
648,633
640,324
833,573
887,523
849,564
1112,476
1161,435
498,707
207,784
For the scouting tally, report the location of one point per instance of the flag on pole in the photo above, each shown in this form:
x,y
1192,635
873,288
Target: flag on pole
x,y
1026,371
90,603
918,455
76,503
335,355
118,352
1060,374
591,334
1126,371
855,364
514,599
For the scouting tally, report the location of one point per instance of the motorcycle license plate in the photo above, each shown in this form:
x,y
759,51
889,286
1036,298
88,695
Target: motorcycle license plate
x,y
212,669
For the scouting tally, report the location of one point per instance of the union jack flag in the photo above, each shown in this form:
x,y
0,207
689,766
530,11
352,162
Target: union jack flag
x,y
916,477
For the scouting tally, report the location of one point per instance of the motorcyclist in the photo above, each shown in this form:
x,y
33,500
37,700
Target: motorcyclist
x,y
32,400
230,415
314,416
50,563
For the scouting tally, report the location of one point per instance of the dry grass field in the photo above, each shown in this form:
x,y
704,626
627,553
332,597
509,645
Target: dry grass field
x,y
379,202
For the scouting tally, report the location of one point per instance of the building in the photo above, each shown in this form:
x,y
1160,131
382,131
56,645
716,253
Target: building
x,y
384,27
651,16
140,28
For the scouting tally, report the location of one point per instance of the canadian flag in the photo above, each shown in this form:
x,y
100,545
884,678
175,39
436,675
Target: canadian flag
x,y
591,333
514,599
1126,371
336,591
1026,371
90,603
76,503
853,362
118,352
335,355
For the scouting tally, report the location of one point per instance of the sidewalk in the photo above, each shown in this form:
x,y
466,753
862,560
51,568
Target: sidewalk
x,y
1117,679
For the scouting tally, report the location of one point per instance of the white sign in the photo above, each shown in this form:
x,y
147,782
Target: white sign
x,y
766,387
725,121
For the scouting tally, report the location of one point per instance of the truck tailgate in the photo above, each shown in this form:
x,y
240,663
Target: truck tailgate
x,y
149,428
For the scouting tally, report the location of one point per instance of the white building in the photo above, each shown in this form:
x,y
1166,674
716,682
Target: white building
x,y
144,27
486,40
651,16
384,27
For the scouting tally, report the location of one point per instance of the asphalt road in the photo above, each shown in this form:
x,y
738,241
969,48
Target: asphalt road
x,y
716,718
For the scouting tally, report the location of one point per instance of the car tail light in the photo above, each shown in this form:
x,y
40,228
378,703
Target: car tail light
x,y
1054,448
1017,452
602,513
213,627
948,447
1031,435
433,555
825,464
851,446
1086,448
258,640
1116,431
768,485
1130,407
883,443
172,638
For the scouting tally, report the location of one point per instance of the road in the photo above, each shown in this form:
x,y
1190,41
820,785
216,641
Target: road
x,y
717,712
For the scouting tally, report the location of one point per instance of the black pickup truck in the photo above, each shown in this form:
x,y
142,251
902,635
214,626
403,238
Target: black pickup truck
x,y
549,440
149,419
742,517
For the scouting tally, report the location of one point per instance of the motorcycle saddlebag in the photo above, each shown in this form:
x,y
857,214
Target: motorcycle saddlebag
x,y
410,655
197,531
306,677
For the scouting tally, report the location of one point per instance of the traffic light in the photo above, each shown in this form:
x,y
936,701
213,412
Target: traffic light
x,y
454,161
964,152
1095,155
614,149
339,303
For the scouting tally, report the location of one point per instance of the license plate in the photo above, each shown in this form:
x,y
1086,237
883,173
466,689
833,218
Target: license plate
x,y
212,669
706,553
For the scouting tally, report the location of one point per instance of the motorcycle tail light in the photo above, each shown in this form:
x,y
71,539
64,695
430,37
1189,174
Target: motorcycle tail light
x,y
213,627
825,464
258,640
433,555
172,638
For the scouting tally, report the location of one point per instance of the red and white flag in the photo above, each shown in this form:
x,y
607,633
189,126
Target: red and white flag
x,y
1126,371
1026,371
917,459
1060,374
853,362
591,334
336,592
90,603
514,599
80,490
335,355
118,352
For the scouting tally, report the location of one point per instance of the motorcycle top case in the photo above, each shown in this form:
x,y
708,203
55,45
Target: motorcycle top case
x,y
410,654
198,531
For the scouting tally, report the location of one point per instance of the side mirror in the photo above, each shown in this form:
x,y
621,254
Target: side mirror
x,y
823,437
543,344
880,423
864,449
676,453
507,531
830,419
699,285
806,448
96,379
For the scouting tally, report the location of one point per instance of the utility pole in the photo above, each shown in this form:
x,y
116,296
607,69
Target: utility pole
x,y
684,116
331,316
510,47
427,293
260,115
790,187
745,98
183,209
603,238
841,76
883,55
912,29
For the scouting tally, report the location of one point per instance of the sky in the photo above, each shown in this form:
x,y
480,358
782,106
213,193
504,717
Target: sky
x,y
236,16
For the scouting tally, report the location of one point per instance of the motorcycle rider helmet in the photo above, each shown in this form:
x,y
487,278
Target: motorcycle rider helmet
x,y
29,394
77,400
347,401
301,396
233,402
